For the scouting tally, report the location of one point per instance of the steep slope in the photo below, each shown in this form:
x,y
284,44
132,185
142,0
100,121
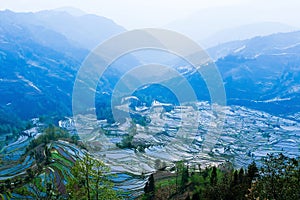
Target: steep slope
x,y
263,72
280,43
39,61
35,79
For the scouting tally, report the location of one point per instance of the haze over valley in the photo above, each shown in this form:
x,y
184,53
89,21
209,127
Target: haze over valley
x,y
151,114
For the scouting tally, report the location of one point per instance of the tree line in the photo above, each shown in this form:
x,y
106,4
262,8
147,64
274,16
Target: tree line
x,y
277,178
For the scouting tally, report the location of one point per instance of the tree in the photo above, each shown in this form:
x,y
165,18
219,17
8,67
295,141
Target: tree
x,y
90,180
235,178
149,188
279,178
157,164
126,142
51,189
184,177
195,196
8,184
252,173
241,176
51,133
213,176
179,167
47,155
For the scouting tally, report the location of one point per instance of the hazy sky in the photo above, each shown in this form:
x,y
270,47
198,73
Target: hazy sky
x,y
156,13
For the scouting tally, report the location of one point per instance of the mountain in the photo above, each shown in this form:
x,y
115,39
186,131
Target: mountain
x,y
219,24
85,31
71,10
39,62
280,43
35,79
245,32
262,72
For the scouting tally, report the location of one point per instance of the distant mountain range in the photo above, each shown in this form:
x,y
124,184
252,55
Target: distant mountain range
x,y
262,72
216,25
85,31
244,32
275,44
41,52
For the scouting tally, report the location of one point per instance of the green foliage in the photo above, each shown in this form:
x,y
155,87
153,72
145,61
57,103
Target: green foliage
x,y
42,188
90,180
10,123
179,168
103,111
14,130
34,185
47,179
51,133
184,177
141,120
213,176
252,173
126,142
279,178
149,188
159,165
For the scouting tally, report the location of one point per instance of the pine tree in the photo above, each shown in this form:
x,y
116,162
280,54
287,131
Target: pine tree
x,y
241,176
213,177
149,188
252,173
278,178
235,178
151,183
184,177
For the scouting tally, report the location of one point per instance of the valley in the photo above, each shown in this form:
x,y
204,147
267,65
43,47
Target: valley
x,y
247,135
168,128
